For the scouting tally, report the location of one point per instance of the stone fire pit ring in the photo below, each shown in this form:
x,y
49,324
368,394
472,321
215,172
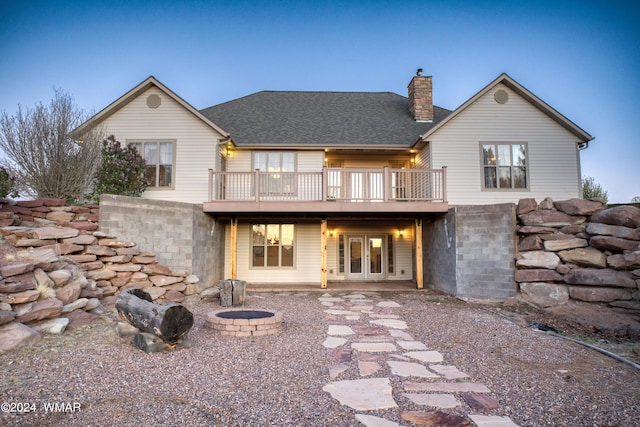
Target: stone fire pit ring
x,y
244,322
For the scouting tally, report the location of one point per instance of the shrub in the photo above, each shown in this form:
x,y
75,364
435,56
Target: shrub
x,y
121,171
7,184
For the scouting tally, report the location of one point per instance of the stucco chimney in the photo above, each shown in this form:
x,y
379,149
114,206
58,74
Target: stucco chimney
x,y
420,97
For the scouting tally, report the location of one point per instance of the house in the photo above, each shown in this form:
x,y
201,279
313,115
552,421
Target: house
x,y
322,187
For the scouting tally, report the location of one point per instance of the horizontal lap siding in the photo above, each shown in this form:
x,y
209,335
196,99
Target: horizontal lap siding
x,y
306,264
196,143
552,154
307,161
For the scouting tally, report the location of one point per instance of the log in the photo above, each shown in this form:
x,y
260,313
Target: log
x,y
169,322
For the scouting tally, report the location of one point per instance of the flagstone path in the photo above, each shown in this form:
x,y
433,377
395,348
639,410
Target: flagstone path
x,y
369,342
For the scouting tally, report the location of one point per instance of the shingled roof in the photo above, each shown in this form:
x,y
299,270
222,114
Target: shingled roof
x,y
321,119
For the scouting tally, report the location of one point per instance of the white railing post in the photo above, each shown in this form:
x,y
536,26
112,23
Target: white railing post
x,y
256,185
444,183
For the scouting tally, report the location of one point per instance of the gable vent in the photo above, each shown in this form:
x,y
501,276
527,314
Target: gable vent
x,y
501,96
154,101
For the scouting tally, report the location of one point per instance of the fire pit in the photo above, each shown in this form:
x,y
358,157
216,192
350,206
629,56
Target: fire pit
x,y
245,323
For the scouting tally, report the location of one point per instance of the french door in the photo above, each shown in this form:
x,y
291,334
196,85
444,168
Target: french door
x,y
366,255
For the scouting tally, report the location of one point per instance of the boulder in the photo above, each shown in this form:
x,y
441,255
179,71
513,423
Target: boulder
x,y
51,326
530,243
78,318
563,244
60,277
599,277
13,287
6,316
628,261
573,229
546,204
44,309
613,230
61,216
584,257
613,244
537,275
156,292
626,216
15,335
20,297
549,218
54,233
579,206
42,278
526,205
75,305
544,294
598,294
102,274
174,296
70,292
537,259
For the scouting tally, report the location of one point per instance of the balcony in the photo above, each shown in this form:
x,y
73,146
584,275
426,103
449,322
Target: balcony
x,y
332,190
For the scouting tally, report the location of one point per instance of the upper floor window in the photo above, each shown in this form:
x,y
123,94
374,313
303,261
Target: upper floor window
x,y
159,158
273,162
504,166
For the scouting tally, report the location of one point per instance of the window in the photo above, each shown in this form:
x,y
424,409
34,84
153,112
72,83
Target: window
x,y
273,162
504,166
159,158
272,245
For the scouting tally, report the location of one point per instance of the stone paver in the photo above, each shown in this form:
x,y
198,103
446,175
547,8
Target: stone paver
x,y
366,323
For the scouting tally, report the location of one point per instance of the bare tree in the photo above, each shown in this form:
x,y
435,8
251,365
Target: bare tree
x,y
44,159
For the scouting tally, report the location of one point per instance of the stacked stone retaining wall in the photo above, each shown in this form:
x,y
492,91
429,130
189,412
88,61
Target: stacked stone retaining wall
x,y
579,250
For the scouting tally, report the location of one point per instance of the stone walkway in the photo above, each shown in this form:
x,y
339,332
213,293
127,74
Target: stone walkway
x,y
370,342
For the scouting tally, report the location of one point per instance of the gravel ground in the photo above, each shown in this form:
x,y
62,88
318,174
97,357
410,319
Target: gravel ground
x,y
277,380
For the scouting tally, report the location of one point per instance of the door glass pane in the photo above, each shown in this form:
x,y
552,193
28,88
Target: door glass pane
x,y
355,255
375,255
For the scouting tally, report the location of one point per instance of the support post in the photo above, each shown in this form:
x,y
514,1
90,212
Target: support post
x,y
323,253
418,245
234,248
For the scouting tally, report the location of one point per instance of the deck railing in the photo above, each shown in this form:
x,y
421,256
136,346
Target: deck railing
x,y
332,184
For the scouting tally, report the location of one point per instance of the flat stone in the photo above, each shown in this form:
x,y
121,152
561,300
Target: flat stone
x,y
373,347
373,421
412,345
448,371
60,277
124,329
69,292
79,318
548,218
164,280
564,244
579,206
363,395
6,316
355,296
327,303
51,326
15,269
38,256
431,356
333,342
396,333
362,307
390,323
437,400
45,233
458,387
599,277
626,216
584,257
75,305
492,421
436,418
544,294
44,309
330,299
410,369
340,312
336,370
340,330
368,367
15,335
537,275
628,261
538,259
20,297
598,294
478,401
156,292
342,354
383,316
391,304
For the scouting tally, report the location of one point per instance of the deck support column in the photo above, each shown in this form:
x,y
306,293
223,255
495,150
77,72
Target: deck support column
x,y
323,253
234,248
418,245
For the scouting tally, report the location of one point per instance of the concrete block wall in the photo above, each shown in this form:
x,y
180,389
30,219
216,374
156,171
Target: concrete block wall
x,y
180,234
469,252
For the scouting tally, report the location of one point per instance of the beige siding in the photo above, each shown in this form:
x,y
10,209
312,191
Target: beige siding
x,y
306,264
196,149
307,161
553,161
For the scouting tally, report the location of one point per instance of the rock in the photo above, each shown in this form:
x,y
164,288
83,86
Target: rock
x,y
82,239
526,205
61,216
45,233
20,297
50,201
123,267
598,294
579,206
534,229
530,243
626,216
584,257
42,278
156,269
537,275
156,292
562,244
114,243
64,248
435,418
39,256
144,259
69,292
548,218
180,287
60,277
132,252
83,225
52,326
15,335
100,250
82,258
78,318
15,269
44,309
74,305
573,229
546,204
164,280
613,230
628,261
599,277
538,259
11,287
192,278
174,296
92,304
479,401
211,293
117,259
544,294
102,274
613,244
124,329
6,316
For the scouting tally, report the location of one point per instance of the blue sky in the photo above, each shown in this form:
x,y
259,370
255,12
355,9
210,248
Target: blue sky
x,y
581,57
